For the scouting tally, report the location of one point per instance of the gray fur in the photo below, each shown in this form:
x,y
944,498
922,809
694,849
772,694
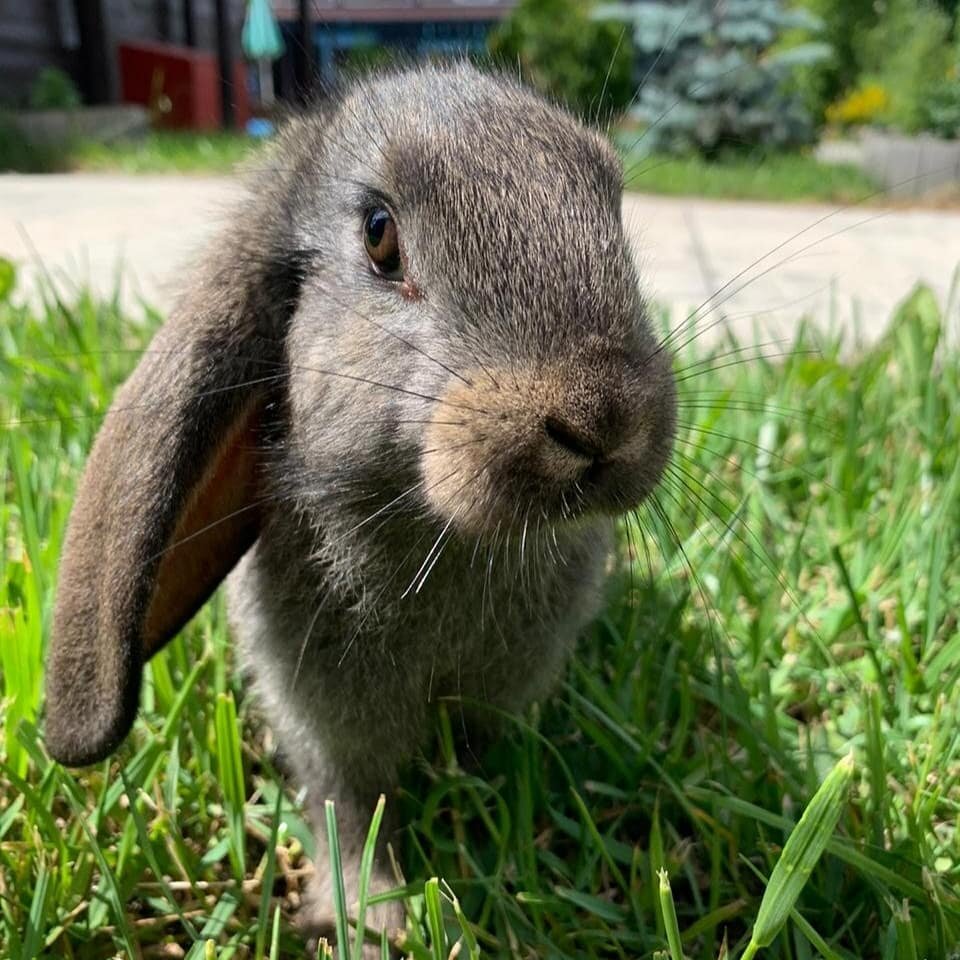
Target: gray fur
x,y
413,543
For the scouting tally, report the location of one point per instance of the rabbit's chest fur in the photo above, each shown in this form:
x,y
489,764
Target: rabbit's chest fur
x,y
348,656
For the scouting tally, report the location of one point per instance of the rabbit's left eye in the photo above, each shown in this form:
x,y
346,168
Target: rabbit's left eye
x,y
382,243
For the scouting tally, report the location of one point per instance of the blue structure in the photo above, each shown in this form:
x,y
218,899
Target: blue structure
x,y
350,32
337,44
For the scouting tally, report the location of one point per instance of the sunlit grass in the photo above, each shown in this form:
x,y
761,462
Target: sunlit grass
x,y
745,175
698,720
167,151
158,151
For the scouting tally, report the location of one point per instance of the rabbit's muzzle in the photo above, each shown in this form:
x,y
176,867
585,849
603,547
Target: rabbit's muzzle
x,y
591,433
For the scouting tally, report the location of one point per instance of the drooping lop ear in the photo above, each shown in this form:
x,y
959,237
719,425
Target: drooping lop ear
x,y
169,499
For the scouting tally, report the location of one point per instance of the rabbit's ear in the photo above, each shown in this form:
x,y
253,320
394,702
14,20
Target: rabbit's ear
x,y
169,500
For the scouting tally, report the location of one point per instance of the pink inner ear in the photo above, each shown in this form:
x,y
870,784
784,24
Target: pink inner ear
x,y
219,523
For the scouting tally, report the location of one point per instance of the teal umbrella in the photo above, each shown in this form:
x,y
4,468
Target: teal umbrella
x,y
262,42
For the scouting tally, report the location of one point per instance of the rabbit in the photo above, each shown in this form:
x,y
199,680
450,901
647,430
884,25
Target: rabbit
x,y
401,400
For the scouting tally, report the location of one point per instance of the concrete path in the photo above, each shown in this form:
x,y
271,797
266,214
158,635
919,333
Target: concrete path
x,y
100,229
844,267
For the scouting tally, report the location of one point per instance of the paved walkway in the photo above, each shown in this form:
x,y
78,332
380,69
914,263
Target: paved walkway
x,y
845,267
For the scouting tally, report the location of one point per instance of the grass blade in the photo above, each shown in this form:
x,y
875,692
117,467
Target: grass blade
x,y
800,854
438,937
366,867
668,911
33,938
269,871
230,760
336,871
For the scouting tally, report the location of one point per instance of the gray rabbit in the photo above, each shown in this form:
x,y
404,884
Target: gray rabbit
x,y
401,401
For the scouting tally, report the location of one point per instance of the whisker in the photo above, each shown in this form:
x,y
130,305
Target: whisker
x,y
656,63
712,618
33,421
664,517
426,561
732,352
676,103
762,555
455,446
373,605
449,523
774,266
735,363
207,527
358,526
692,319
766,451
830,430
797,352
305,643
396,336
606,79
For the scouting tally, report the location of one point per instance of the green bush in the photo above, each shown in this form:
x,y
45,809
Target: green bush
x,y
18,154
909,54
943,107
716,74
54,90
901,46
842,27
585,63
366,58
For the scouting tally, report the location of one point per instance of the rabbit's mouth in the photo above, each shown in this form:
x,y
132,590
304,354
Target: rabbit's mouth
x,y
575,439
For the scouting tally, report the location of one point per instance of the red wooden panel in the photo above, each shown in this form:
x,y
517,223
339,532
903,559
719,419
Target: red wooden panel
x,y
179,84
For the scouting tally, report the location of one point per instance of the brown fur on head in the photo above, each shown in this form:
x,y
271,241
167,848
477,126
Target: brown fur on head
x,y
510,370
575,436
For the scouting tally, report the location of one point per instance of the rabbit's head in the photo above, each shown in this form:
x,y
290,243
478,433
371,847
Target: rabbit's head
x,y
473,276
428,290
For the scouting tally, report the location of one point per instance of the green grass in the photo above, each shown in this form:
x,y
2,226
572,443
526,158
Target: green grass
x,y
749,176
694,726
160,151
167,152
788,176
20,155
793,176
778,176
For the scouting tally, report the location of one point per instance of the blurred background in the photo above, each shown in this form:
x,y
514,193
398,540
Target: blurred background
x,y
873,84
793,197
778,102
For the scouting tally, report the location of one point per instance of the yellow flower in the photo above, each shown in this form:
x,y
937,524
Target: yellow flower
x,y
860,106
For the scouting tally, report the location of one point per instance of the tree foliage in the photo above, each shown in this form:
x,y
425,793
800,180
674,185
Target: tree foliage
x,y
900,46
715,73
54,89
559,48
843,25
909,53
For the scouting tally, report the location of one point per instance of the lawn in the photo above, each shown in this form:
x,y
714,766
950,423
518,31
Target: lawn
x,y
167,152
792,176
751,175
790,597
777,176
160,151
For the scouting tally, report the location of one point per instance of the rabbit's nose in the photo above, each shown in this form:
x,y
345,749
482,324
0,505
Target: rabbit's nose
x,y
572,439
580,448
